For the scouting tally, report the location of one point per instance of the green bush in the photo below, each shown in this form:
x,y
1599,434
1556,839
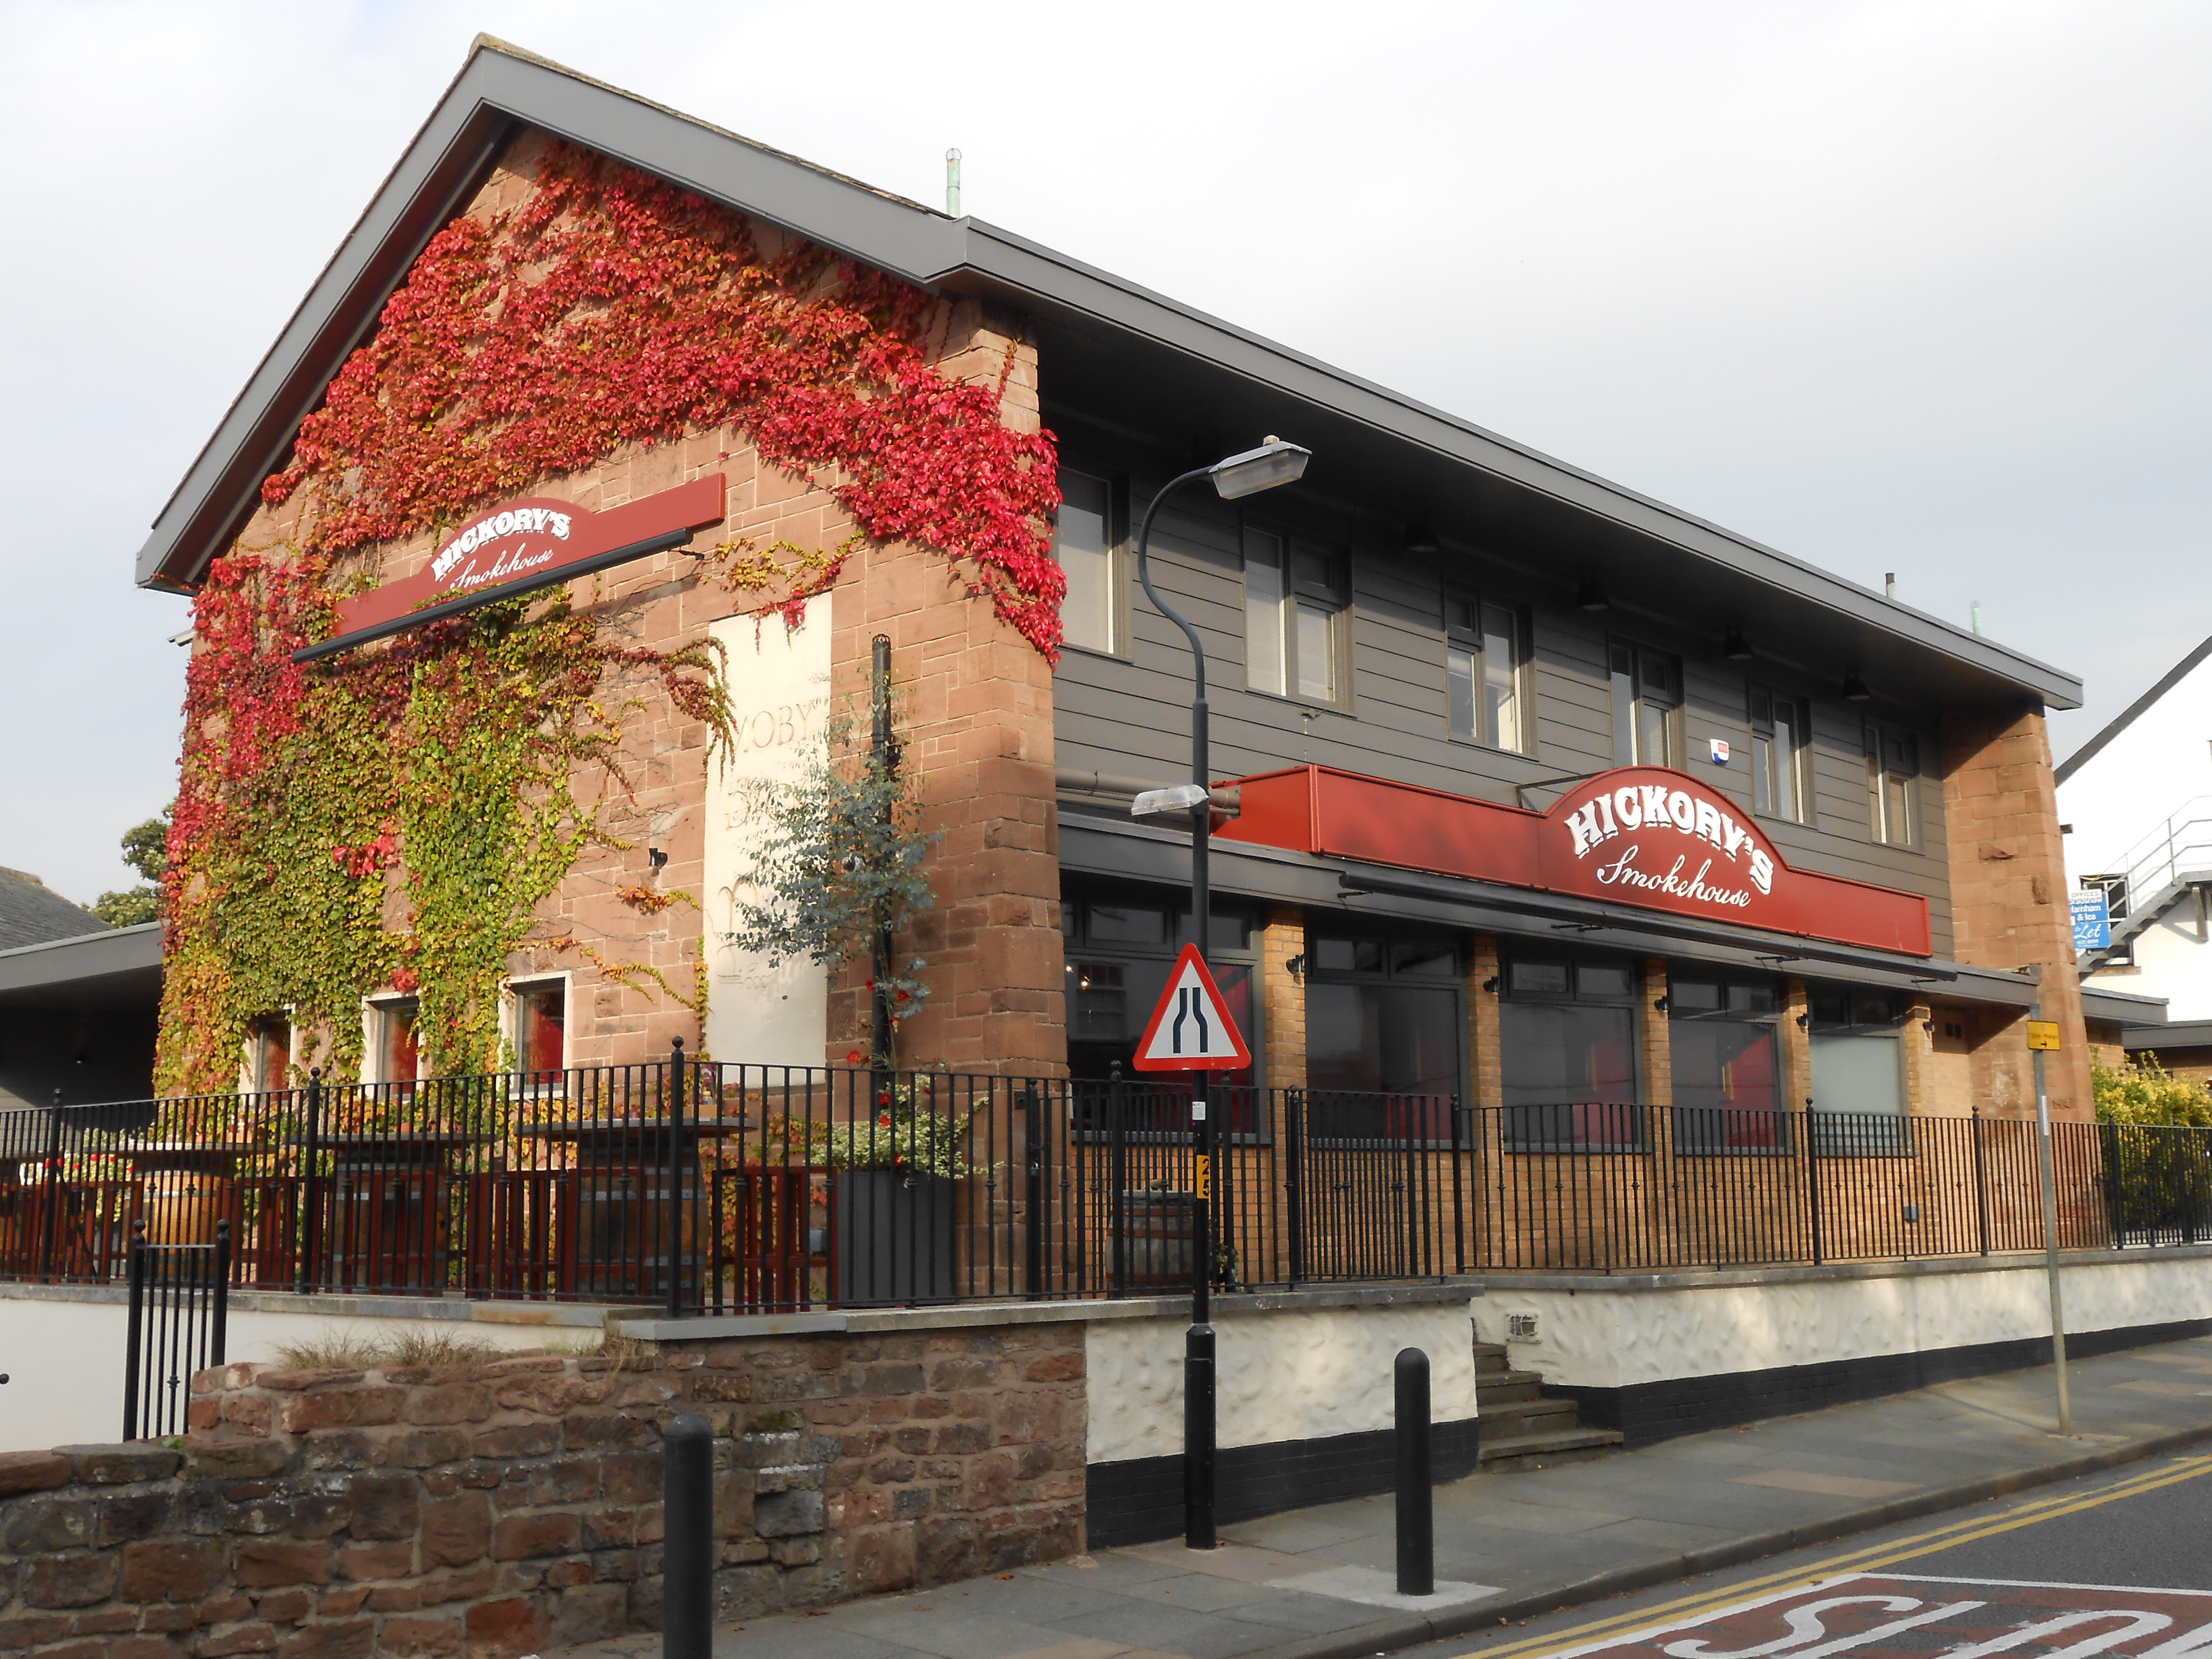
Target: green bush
x,y
2144,1092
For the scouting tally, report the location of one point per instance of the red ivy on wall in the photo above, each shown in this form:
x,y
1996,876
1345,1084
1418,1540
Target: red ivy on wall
x,y
610,307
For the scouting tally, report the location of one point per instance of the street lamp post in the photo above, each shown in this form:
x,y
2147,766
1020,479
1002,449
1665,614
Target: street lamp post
x,y
1273,463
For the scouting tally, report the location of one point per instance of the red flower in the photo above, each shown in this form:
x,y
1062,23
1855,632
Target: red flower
x,y
854,1056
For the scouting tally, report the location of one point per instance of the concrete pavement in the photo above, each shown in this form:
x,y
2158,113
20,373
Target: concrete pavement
x,y
1317,1583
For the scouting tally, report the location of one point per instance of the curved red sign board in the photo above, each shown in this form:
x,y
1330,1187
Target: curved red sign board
x,y
523,542
1640,835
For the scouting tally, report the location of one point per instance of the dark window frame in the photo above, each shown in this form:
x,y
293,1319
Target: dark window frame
x,y
1633,673
1516,1140
1693,1119
1761,701
1389,974
1333,593
1881,735
1860,1134
1119,557
1466,614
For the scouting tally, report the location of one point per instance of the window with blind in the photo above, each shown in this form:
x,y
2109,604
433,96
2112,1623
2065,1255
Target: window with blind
x,y
1294,612
1647,705
1484,668
1085,540
1778,726
1893,785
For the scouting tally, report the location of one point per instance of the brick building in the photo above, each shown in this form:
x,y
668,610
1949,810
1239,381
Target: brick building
x,y
1432,659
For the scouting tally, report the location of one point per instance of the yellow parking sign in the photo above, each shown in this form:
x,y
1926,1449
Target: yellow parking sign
x,y
1205,1175
2043,1034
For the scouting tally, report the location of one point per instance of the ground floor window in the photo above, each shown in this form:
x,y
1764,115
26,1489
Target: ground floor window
x,y
1724,1035
1858,1072
1567,1045
269,1053
1384,1016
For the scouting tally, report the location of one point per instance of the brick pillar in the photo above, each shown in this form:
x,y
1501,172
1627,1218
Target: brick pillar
x,y
1918,1051
1796,1047
1663,1229
1488,1168
1283,998
2009,905
1283,1004
975,715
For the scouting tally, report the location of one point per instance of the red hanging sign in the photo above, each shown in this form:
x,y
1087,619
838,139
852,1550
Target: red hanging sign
x,y
517,548
1642,836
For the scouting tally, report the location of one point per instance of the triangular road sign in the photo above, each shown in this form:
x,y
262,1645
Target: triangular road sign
x,y
1191,1030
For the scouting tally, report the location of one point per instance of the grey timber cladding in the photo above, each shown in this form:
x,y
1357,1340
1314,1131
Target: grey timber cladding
x,y
1130,714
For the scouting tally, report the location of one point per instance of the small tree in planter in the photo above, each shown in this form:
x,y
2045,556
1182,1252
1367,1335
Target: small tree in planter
x,y
836,870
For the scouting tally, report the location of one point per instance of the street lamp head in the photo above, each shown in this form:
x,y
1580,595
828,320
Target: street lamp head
x,y
1273,463
1162,803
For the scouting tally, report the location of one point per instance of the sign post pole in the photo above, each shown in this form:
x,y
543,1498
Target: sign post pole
x,y
1191,1031
2042,1036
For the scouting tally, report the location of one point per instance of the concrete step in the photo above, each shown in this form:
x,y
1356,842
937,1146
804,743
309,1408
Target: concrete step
x,y
1536,1416
1507,1385
1491,1357
1509,1452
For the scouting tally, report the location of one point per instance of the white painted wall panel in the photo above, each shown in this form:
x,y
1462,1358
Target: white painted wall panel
x,y
1283,1375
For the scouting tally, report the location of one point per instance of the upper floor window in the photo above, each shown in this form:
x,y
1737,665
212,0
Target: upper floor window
x,y
1083,540
1294,601
1893,785
1778,739
1647,704
1484,668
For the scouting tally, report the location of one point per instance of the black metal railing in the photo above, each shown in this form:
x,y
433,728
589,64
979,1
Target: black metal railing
x,y
179,1313
700,1187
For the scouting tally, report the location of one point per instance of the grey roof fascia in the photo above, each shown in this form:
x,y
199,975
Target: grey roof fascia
x,y
2129,1009
2182,1034
501,87
2173,676
92,956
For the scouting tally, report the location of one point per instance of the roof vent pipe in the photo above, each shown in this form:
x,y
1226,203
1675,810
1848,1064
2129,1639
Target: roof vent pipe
x,y
952,182
1978,615
1889,584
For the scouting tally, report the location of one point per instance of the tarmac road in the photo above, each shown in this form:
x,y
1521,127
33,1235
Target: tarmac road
x,y
2114,1564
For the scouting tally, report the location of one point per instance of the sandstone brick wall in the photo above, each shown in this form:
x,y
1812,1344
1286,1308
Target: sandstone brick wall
x,y
2008,903
515,1505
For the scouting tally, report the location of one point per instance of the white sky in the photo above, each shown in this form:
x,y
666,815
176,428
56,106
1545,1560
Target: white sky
x,y
1916,286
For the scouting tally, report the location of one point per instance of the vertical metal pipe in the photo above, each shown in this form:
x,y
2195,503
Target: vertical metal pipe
x,y
1417,1529
1117,1175
50,1244
687,1585
1033,1194
311,1206
672,1275
1294,1131
1981,1183
884,757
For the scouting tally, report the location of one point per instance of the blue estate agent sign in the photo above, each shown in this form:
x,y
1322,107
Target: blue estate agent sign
x,y
2093,921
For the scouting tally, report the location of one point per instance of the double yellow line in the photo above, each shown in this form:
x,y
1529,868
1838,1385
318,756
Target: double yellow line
x,y
1690,1607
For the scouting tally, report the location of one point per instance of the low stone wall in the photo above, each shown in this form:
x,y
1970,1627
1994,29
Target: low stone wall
x,y
514,1505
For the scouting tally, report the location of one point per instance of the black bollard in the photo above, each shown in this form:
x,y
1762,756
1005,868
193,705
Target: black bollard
x,y
687,1583
1417,1521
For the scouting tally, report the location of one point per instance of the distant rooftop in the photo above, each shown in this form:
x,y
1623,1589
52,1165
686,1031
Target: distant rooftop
x,y
32,912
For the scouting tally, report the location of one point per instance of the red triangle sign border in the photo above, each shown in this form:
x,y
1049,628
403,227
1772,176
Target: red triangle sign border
x,y
1189,958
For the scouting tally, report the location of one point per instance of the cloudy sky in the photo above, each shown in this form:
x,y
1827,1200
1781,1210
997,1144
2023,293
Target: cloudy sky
x,y
1917,286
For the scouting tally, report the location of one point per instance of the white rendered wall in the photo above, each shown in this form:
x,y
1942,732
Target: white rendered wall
x,y
64,1359
1299,1375
1605,1338
2170,962
2163,759
779,682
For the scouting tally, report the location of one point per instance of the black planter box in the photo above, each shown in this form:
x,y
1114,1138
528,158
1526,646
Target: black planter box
x,y
893,1237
